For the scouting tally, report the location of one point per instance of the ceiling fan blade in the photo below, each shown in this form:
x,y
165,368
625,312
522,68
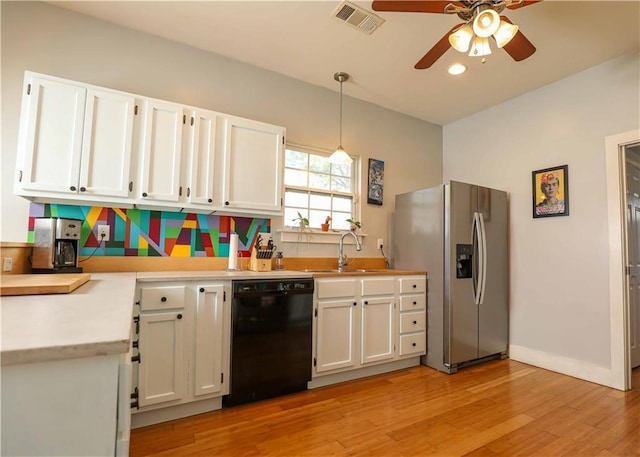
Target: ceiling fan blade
x,y
519,48
436,51
523,4
413,6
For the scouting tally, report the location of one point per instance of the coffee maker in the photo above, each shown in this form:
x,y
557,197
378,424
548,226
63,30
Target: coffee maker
x,y
55,245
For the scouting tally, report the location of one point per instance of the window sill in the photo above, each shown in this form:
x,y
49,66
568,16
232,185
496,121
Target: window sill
x,y
316,236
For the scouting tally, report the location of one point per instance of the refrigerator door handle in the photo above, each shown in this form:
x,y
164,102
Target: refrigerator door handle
x,y
482,280
477,258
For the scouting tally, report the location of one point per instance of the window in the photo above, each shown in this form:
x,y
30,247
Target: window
x,y
316,188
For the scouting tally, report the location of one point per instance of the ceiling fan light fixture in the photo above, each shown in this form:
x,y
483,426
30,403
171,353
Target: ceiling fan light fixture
x,y
480,47
340,155
505,33
460,40
486,22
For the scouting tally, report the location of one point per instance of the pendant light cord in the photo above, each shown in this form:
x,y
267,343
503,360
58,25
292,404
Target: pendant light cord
x,y
340,113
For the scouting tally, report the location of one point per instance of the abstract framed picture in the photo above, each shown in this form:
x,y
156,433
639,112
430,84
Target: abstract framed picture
x,y
376,182
551,191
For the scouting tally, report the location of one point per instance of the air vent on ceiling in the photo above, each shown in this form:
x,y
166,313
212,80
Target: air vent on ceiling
x,y
357,17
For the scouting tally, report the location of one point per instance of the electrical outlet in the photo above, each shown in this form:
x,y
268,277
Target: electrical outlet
x,y
7,264
103,233
380,243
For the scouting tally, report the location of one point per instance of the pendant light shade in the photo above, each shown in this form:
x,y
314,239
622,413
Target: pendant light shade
x,y
340,156
480,47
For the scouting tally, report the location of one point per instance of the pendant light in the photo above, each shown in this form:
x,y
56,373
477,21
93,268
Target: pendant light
x,y
340,156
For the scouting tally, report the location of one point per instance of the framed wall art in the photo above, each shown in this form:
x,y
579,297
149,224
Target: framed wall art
x,y
551,191
376,182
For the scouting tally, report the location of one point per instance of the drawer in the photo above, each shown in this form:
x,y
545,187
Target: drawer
x,y
414,343
336,288
413,284
377,286
411,302
412,322
164,297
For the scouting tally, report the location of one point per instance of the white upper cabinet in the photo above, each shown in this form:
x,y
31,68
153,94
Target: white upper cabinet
x,y
161,148
88,145
253,157
74,141
201,154
107,144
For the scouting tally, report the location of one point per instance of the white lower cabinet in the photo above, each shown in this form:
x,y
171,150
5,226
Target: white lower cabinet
x,y
182,345
360,321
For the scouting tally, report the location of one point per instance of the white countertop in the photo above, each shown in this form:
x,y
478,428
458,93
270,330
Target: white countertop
x,y
93,320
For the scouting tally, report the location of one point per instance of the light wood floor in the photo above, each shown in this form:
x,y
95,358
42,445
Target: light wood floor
x,y
500,408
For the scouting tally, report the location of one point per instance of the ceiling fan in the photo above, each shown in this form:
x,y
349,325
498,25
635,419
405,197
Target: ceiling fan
x,y
482,20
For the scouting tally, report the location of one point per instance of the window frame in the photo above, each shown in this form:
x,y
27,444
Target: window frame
x,y
355,194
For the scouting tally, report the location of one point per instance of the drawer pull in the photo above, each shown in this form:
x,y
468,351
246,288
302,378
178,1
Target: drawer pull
x,y
415,322
202,289
414,286
415,303
413,344
163,299
355,303
179,316
366,302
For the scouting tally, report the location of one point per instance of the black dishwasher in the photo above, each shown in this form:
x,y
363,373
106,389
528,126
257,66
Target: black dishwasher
x,y
271,338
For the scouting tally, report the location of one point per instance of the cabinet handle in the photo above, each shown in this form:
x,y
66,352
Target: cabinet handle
x,y
179,316
202,289
415,303
73,188
163,299
144,194
130,186
415,322
137,321
210,200
188,191
414,345
226,203
134,396
83,189
366,302
136,358
180,191
414,286
355,303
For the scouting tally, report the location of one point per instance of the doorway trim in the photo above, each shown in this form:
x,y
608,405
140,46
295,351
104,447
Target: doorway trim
x,y
618,303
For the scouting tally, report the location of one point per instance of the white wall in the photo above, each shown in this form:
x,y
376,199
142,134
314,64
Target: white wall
x,y
46,39
559,288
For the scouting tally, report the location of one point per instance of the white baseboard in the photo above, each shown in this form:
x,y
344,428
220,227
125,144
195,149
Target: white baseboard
x,y
564,365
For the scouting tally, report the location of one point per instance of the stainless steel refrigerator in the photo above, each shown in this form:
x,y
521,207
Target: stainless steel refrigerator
x,y
458,233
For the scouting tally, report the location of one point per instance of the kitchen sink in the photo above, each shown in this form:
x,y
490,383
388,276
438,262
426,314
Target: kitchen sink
x,y
346,270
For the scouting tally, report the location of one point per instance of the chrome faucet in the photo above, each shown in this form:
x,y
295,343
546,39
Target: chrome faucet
x,y
342,259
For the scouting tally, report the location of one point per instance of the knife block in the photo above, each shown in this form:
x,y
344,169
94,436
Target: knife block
x,y
256,264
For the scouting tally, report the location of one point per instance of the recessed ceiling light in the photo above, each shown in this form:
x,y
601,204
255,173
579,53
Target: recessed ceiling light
x,y
457,69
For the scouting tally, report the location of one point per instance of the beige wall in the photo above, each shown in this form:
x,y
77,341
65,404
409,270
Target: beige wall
x,y
559,266
46,39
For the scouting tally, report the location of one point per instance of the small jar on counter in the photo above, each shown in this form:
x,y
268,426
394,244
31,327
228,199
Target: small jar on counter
x,y
279,259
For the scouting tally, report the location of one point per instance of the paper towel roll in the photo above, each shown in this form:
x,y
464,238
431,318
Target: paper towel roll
x,y
233,252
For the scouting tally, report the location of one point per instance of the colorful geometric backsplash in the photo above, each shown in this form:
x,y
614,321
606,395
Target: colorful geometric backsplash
x,y
135,232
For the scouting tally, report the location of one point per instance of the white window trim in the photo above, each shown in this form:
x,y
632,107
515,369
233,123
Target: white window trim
x,y
292,234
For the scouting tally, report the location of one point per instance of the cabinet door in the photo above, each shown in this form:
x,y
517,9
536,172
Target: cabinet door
x,y
162,369
253,166
107,144
335,335
202,157
209,340
161,151
377,329
50,142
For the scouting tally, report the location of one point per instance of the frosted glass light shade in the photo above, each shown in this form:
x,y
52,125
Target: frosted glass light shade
x,y
486,23
461,38
480,47
340,156
505,33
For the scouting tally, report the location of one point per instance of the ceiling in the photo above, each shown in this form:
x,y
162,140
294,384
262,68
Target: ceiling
x,y
302,40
